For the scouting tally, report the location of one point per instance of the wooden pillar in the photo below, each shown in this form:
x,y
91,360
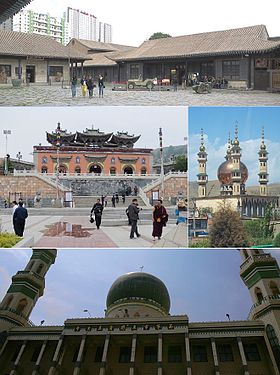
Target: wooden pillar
x,y
188,353
56,356
215,356
37,365
14,371
80,355
104,356
242,355
82,68
132,356
159,354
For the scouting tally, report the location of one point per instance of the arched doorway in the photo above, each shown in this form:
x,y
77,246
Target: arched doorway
x,y
95,168
44,169
128,169
112,171
143,171
78,170
62,169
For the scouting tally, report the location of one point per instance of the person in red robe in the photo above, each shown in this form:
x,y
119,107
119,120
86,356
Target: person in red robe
x,y
160,218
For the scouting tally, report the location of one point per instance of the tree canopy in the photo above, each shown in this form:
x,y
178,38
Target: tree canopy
x,y
159,35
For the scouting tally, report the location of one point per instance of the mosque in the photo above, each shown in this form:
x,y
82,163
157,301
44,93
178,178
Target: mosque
x,y
138,334
232,175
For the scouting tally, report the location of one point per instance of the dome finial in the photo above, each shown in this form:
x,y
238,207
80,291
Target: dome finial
x,y
263,146
202,147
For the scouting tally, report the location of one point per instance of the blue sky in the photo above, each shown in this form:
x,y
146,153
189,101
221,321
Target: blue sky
x,y
204,284
218,121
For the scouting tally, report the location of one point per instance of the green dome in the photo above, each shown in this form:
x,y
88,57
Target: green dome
x,y
139,286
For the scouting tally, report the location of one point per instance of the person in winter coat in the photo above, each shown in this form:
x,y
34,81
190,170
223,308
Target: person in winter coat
x,y
19,217
133,216
97,209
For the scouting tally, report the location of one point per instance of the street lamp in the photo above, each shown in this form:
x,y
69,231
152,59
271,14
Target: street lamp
x,y
58,144
6,133
161,161
89,314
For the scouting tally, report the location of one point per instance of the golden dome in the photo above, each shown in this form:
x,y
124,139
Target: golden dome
x,y
225,170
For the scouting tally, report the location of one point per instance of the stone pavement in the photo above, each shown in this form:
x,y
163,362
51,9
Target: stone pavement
x,y
58,96
77,232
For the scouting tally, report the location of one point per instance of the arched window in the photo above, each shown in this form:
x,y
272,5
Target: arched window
x,y
78,170
44,160
21,305
128,170
39,269
113,171
143,161
259,295
30,265
274,343
78,159
274,288
143,171
44,169
113,160
95,168
9,300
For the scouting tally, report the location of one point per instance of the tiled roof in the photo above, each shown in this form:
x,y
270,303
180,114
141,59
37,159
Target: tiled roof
x,y
243,40
14,43
101,59
9,7
99,46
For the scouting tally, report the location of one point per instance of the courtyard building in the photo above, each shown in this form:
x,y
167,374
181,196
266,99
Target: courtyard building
x,y
34,58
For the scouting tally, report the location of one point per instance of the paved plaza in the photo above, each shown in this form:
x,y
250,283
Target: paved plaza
x,y
58,96
46,229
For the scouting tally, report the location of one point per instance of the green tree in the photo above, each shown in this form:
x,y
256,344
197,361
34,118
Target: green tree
x,y
267,225
227,229
159,35
276,241
180,163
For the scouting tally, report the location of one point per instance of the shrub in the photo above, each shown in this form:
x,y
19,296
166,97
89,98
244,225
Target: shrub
x,y
276,241
8,240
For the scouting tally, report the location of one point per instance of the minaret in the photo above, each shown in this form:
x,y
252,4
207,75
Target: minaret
x,y
260,273
263,175
202,177
26,287
236,170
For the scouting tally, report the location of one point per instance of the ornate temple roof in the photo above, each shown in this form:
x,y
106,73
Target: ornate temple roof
x,y
92,138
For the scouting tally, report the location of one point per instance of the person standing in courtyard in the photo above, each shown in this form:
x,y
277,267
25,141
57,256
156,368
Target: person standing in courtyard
x,y
84,86
133,216
90,86
160,218
14,207
101,86
97,209
74,86
19,218
113,201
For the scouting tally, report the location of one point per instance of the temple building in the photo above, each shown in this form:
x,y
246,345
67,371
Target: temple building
x,y
138,334
232,175
92,152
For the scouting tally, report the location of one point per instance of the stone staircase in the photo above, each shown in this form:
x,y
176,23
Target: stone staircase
x,y
88,201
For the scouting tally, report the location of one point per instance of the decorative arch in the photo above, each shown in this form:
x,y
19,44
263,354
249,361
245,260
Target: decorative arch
x,y
143,171
113,171
29,267
9,301
39,268
21,305
95,168
258,294
44,169
78,169
274,288
128,169
63,169
274,343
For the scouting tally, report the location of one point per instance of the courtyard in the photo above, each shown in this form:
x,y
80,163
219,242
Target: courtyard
x,y
44,95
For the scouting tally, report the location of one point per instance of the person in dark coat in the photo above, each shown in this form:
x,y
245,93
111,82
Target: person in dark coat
x,y
133,216
19,217
117,198
160,218
97,209
113,201
123,198
101,85
90,86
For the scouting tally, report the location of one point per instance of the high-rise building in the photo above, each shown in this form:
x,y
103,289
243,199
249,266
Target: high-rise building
x,y
27,21
82,25
104,32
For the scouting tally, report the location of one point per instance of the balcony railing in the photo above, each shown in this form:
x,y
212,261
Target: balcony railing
x,y
265,300
254,258
18,314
